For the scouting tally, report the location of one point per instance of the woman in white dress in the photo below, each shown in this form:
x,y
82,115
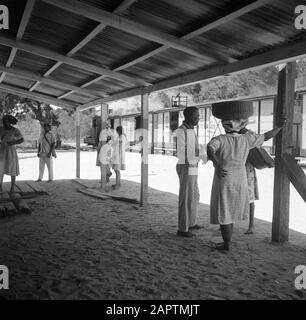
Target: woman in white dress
x,y
118,156
9,137
229,195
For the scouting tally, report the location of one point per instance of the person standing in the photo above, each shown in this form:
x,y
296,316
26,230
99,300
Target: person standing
x,y
229,195
187,170
46,150
118,156
9,137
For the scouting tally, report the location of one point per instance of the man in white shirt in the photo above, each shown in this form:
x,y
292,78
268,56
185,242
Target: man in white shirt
x,y
46,150
187,169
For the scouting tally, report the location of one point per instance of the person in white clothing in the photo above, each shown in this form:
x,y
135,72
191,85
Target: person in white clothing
x,y
46,150
118,157
105,156
189,154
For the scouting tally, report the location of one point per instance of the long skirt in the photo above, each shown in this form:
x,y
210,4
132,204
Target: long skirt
x,y
229,197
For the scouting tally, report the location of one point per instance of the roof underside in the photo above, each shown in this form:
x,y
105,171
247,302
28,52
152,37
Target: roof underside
x,y
79,52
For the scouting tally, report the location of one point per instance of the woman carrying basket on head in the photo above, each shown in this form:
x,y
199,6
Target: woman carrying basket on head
x,y
229,152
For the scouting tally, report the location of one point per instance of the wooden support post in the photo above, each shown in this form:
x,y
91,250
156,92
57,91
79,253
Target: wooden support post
x,y
78,143
283,141
144,150
104,116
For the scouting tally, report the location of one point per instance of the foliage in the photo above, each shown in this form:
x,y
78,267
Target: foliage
x,y
20,107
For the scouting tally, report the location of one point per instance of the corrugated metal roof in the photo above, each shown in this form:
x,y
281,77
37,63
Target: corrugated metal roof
x,y
115,48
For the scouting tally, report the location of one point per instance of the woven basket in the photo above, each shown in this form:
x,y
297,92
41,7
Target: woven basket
x,y
232,110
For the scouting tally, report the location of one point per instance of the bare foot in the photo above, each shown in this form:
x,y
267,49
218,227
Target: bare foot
x,y
249,231
222,247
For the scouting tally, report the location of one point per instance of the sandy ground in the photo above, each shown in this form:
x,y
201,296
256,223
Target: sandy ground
x,y
77,247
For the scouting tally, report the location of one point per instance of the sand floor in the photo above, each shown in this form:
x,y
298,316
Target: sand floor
x,y
77,247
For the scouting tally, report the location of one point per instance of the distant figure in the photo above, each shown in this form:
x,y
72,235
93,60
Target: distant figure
x,y
46,150
105,137
118,158
105,156
9,137
252,188
188,153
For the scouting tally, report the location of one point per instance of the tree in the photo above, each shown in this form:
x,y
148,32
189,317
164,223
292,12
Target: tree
x,y
20,107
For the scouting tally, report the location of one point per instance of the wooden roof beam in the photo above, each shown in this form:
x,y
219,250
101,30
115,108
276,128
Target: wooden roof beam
x,y
123,6
23,24
135,28
36,96
225,19
200,31
289,52
46,53
51,82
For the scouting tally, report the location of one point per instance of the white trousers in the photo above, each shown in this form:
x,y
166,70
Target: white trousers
x,y
189,197
44,160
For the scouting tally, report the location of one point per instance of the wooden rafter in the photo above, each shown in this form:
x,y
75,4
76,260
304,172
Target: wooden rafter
x,y
48,81
46,53
36,96
290,52
296,174
129,26
123,6
22,26
207,27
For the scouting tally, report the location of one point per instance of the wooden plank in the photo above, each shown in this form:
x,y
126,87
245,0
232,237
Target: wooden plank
x,y
105,196
9,206
20,204
296,174
3,74
290,52
83,183
89,192
22,26
281,199
38,189
132,27
36,50
92,34
59,84
144,150
4,196
36,96
200,31
25,18
78,144
116,197
24,188
65,94
104,117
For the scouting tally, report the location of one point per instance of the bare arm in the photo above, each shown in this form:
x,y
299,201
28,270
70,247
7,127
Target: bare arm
x,y
272,133
20,140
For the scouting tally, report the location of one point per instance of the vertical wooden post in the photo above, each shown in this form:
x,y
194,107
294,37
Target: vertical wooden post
x,y
144,150
78,143
104,116
283,142
153,134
